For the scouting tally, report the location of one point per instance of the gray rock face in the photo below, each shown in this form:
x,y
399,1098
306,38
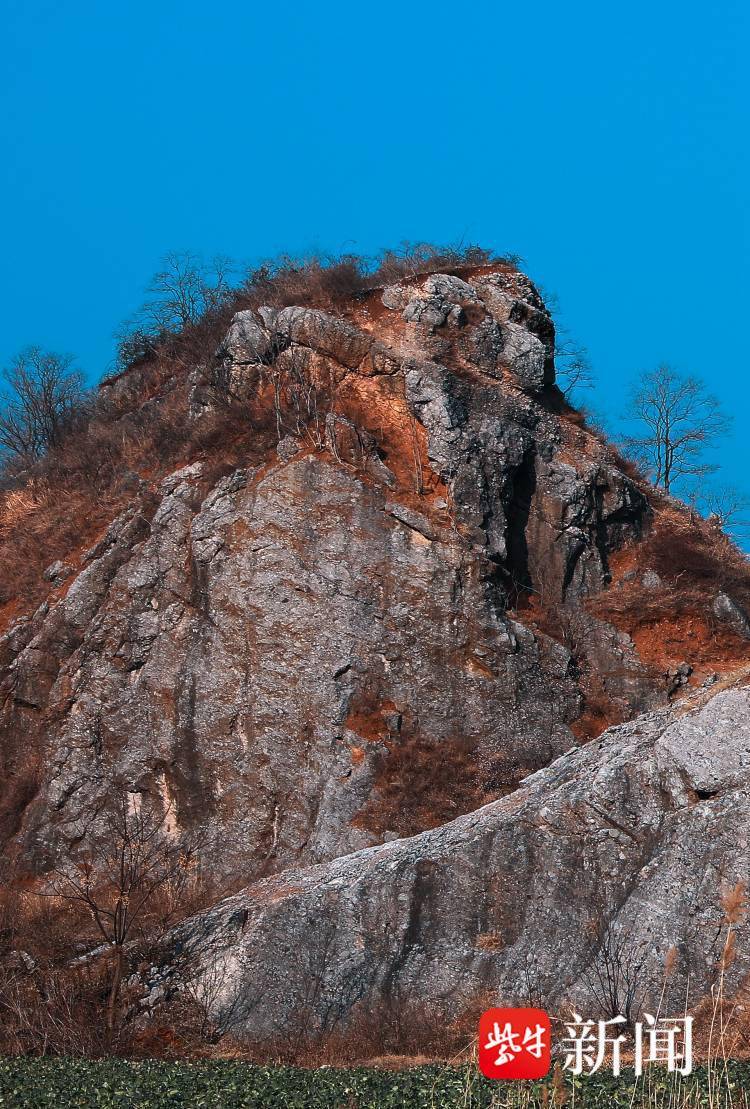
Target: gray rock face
x,y
180,687
549,525
508,903
525,353
315,329
498,323
247,341
451,289
709,751
269,652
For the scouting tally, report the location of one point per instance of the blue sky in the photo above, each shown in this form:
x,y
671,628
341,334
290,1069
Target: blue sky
x,y
606,144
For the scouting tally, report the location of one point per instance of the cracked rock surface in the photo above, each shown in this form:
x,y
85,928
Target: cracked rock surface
x,y
270,651
259,651
508,901
332,666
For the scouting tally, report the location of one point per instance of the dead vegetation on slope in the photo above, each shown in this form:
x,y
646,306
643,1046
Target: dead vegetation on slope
x,y
664,591
58,509
55,509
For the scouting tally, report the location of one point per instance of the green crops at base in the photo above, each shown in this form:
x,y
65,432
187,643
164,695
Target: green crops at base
x,y
63,1083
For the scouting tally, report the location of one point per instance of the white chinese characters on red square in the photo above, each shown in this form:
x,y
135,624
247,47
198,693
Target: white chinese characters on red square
x,y
514,1043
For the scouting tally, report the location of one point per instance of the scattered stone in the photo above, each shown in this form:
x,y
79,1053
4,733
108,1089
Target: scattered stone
x,y
396,297
729,612
678,676
57,572
21,960
451,289
432,312
288,447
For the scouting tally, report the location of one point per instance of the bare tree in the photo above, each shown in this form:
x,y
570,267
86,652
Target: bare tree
x,y
180,294
574,375
616,978
573,371
40,394
183,289
129,880
728,508
679,419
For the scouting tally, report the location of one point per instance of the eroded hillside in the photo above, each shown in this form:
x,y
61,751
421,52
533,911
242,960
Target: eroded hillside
x,y
415,549
352,575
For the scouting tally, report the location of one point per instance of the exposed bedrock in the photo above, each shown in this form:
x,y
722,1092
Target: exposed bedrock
x,y
308,656
620,851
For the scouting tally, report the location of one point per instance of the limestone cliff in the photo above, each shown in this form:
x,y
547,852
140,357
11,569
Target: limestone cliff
x,y
618,855
387,619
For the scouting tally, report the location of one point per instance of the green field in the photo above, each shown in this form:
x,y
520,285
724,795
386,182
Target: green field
x,y
151,1085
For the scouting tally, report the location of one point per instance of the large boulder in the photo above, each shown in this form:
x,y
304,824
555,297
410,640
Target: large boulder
x,y
622,850
729,612
247,341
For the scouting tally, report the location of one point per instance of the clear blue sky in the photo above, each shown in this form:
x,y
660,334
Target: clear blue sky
x,y
606,144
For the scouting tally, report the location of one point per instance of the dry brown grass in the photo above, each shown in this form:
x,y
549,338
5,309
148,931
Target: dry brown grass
x,y
695,558
391,1033
334,282
675,621
61,509
55,976
421,785
46,1005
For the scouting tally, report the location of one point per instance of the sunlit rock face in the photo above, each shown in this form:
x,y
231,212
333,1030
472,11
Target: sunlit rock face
x,y
303,657
621,854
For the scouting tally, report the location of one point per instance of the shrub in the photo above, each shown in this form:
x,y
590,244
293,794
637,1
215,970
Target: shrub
x,y
421,785
138,345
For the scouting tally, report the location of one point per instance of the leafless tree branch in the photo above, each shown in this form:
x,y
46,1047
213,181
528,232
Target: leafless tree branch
x,y
680,419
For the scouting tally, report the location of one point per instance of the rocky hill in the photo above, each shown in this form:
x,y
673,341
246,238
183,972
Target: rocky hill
x,y
358,629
